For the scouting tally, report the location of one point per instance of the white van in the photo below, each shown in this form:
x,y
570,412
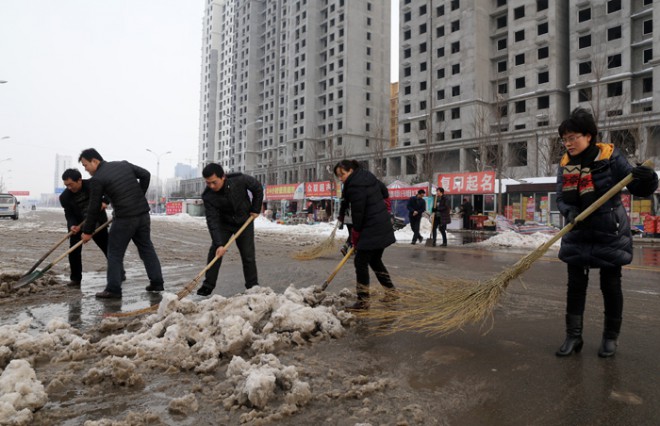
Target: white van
x,y
9,206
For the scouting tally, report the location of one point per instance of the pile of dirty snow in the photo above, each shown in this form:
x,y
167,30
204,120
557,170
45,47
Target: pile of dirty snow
x,y
514,239
20,393
184,335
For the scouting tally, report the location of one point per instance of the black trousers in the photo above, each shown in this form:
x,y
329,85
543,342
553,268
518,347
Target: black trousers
x,y
75,257
246,247
610,286
363,260
123,231
443,231
414,225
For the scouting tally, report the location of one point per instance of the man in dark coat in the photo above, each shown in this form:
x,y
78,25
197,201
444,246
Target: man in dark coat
x,y
75,199
442,217
466,209
125,184
229,200
416,207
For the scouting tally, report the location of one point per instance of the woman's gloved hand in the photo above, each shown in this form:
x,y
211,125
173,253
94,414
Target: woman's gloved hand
x,y
642,172
355,237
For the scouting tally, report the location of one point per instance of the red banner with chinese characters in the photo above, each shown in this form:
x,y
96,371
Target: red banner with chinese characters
x,y
468,183
403,193
20,193
318,189
281,192
174,207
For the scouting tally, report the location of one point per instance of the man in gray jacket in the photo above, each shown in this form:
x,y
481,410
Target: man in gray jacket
x,y
229,200
125,185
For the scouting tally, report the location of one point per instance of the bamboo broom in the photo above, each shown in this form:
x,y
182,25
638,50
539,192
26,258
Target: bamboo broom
x,y
320,249
447,306
190,286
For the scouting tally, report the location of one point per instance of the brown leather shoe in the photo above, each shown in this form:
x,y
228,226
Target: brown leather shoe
x,y
73,283
107,295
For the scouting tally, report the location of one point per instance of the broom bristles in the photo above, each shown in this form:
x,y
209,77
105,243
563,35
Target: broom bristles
x,y
444,306
326,246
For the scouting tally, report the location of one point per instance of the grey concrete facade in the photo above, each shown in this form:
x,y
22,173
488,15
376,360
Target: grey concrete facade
x,y
300,85
483,84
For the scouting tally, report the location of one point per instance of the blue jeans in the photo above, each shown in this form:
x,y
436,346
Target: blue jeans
x,y
122,231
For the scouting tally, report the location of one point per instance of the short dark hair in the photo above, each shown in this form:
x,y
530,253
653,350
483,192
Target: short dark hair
x,y
580,121
421,191
441,189
89,154
73,174
346,165
213,169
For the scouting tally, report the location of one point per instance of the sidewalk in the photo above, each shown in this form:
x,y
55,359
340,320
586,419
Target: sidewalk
x,y
637,241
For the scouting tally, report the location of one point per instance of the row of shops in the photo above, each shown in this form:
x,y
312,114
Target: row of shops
x,y
524,200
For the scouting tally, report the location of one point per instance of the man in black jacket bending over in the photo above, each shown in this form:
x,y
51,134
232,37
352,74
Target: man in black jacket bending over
x,y
228,205
125,185
75,200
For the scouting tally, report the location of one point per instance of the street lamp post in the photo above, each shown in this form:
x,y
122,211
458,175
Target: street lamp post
x,y
158,188
2,179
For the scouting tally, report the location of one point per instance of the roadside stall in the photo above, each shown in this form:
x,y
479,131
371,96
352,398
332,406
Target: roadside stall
x,y
284,200
400,192
479,189
323,196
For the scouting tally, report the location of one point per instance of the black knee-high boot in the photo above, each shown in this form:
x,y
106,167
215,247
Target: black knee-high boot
x,y
610,334
573,342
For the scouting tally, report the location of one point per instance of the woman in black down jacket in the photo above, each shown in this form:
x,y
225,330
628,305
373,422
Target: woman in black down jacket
x,y
603,240
372,228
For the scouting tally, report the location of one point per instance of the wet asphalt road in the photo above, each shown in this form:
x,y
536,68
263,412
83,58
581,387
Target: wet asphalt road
x,y
507,376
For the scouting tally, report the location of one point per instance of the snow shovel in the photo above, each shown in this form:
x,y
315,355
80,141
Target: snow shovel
x,y
429,240
66,237
332,275
33,276
190,286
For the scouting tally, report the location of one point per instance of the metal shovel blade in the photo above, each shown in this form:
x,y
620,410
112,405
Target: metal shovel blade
x,y
27,279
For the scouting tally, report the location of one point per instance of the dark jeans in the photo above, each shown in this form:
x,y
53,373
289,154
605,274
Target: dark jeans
x,y
373,258
414,225
123,230
75,257
246,247
610,286
443,231
466,221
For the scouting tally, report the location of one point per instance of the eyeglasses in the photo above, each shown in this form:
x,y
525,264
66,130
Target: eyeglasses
x,y
570,139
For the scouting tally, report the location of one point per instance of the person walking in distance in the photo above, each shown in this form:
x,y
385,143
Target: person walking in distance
x,y
416,207
75,199
229,200
372,228
466,209
125,184
603,240
442,217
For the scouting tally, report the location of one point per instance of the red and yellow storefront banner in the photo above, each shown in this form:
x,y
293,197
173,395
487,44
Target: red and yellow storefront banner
x,y
403,193
467,183
318,189
281,192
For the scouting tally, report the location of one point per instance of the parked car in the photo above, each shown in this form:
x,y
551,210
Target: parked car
x,y
9,206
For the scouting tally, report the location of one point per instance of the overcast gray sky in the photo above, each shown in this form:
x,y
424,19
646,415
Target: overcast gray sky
x,y
117,75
